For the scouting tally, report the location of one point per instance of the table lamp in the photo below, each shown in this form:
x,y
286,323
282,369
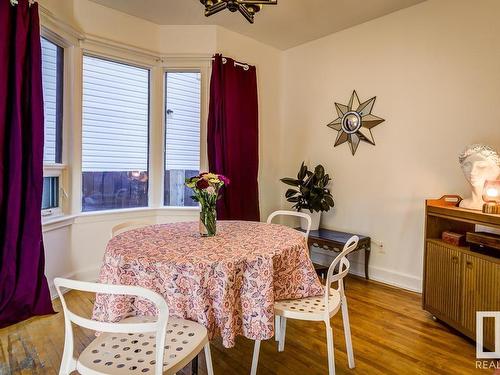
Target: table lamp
x,y
491,197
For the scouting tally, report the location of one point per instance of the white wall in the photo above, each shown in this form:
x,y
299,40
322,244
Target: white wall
x,y
435,71
58,261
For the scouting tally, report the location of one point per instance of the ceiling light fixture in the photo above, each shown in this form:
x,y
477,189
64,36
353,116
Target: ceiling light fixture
x,y
246,7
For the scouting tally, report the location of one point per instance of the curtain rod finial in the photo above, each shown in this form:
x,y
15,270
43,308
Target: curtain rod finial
x,y
16,2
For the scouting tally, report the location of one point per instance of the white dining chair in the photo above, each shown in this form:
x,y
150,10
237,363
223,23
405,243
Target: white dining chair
x,y
128,225
135,345
319,309
308,220
301,215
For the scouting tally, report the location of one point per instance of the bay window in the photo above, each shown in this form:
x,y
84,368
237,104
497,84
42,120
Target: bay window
x,y
182,135
52,84
115,135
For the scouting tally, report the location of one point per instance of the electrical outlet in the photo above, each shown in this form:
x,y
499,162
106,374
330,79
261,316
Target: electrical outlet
x,y
380,246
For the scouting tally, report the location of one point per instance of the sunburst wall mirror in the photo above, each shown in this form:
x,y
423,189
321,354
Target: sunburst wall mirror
x,y
355,122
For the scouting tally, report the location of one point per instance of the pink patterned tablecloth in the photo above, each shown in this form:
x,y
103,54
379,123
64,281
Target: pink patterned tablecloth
x,y
228,282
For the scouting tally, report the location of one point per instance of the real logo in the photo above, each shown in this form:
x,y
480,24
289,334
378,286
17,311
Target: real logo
x,y
480,316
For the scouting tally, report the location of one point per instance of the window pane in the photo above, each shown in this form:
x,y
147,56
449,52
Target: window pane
x,y
50,195
52,81
182,135
114,135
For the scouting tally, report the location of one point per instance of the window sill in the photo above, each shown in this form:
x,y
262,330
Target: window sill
x,y
124,214
56,222
180,208
59,221
54,166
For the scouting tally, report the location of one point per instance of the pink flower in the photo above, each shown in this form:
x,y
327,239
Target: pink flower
x,y
224,179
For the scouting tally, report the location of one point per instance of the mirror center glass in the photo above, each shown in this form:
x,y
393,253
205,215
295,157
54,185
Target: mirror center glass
x,y
351,122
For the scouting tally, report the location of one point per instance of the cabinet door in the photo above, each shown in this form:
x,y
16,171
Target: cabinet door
x,y
442,281
480,293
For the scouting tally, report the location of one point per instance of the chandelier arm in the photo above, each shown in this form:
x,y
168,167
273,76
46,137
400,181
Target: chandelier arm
x,y
244,11
248,8
258,2
216,8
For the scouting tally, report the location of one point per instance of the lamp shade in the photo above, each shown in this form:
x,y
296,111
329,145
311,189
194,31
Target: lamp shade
x,y
491,191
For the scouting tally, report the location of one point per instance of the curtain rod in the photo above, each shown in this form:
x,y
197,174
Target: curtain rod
x,y
236,63
16,2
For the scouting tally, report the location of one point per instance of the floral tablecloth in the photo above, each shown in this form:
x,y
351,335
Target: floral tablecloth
x,y
228,282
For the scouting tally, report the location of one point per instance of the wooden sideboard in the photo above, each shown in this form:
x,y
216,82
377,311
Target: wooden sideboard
x,y
458,281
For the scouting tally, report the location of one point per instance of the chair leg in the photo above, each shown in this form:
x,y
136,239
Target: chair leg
x,y
255,358
330,349
281,343
194,366
68,362
347,333
208,359
277,324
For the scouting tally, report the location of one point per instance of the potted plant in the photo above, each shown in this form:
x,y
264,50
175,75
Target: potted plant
x,y
310,193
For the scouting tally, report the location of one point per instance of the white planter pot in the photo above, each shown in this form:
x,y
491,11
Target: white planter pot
x,y
315,220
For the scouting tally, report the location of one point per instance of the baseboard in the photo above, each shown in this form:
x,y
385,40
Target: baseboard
x,y
88,274
397,279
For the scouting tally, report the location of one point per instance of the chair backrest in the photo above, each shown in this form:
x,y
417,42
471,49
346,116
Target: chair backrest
x,y
302,215
159,326
127,225
344,265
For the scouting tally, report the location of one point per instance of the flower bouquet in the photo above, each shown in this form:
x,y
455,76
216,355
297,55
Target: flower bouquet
x,y
206,188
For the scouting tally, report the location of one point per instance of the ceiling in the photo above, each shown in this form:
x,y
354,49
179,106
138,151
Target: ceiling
x,y
288,24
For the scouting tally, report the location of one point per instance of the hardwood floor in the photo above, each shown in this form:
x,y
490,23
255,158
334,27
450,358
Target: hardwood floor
x,y
391,335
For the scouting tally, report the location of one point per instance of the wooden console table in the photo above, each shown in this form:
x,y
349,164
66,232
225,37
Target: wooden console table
x,y
332,240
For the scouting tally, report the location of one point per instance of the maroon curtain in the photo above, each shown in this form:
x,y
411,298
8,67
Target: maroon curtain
x,y
233,137
23,286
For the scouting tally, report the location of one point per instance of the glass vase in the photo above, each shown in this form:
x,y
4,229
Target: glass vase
x,y
208,222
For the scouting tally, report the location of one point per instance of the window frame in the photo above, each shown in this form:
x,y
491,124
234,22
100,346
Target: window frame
x,y
200,65
203,163
59,168
56,170
125,60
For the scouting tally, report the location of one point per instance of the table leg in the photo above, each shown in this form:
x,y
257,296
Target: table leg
x,y
367,258
194,366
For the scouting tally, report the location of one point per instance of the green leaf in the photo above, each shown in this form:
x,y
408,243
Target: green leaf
x,y
290,181
309,180
290,192
319,171
302,171
329,200
304,190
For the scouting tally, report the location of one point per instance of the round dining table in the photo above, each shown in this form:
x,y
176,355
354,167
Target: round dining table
x,y
227,282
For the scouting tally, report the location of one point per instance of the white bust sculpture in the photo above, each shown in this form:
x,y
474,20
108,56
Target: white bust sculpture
x,y
479,163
